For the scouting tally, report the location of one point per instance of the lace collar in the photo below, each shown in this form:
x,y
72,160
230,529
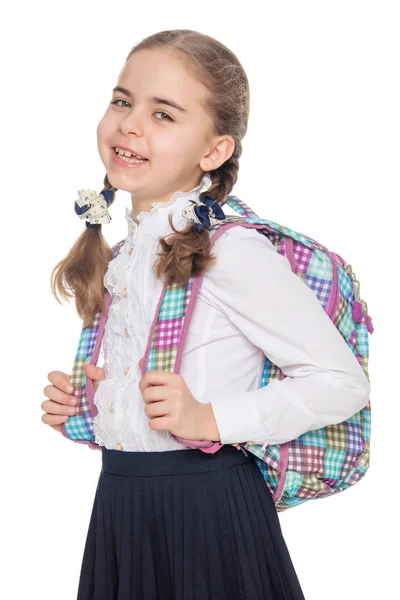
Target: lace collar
x,y
150,220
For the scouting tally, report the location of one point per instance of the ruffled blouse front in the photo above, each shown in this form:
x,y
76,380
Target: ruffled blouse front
x,y
135,291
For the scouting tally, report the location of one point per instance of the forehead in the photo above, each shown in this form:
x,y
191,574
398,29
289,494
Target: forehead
x,y
163,74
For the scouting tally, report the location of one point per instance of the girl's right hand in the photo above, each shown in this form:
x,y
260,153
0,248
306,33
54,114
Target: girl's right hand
x,y
61,400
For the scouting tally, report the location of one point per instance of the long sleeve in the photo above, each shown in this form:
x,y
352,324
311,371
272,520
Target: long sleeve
x,y
281,315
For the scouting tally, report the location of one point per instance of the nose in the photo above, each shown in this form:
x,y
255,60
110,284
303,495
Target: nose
x,y
132,122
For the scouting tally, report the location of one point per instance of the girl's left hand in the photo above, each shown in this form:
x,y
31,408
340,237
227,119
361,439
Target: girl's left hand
x,y
171,406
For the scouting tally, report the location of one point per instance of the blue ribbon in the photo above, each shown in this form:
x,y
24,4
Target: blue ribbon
x,y
203,212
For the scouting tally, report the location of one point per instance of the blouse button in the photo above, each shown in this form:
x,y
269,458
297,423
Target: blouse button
x,y
130,250
126,370
126,331
124,292
133,230
111,407
118,446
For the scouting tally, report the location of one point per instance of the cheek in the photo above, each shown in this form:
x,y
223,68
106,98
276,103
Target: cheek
x,y
105,137
103,131
175,147
106,128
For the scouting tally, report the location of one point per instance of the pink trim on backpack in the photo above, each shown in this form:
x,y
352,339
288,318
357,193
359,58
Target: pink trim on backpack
x,y
96,352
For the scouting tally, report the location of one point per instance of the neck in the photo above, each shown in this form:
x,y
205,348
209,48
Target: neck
x,y
145,205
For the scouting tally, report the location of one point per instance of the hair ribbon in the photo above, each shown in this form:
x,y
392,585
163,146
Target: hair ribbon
x,y
93,207
204,212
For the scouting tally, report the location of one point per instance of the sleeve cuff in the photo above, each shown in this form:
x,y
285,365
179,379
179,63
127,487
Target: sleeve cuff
x,y
238,419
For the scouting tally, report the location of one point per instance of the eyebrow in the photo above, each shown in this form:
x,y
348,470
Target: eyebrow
x,y
152,99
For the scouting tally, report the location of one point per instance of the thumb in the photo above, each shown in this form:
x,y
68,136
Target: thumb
x,y
95,373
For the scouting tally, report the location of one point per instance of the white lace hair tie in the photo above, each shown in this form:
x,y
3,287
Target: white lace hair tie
x,y
93,207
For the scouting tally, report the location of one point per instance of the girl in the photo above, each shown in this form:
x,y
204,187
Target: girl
x,y
170,522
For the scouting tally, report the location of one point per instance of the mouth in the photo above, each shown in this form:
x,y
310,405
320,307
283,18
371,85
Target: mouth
x,y
128,156
128,162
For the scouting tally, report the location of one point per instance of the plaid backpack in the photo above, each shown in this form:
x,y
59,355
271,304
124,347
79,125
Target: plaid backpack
x,y
318,463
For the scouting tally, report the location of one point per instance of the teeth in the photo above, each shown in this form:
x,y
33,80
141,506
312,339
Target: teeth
x,y
131,159
128,154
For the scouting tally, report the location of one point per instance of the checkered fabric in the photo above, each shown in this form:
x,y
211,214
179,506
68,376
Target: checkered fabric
x,y
79,427
315,465
328,460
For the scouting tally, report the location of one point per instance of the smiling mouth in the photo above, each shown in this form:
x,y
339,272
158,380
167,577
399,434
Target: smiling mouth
x,y
132,160
122,152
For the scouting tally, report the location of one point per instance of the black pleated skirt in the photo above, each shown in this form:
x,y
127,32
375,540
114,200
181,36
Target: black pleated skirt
x,y
184,525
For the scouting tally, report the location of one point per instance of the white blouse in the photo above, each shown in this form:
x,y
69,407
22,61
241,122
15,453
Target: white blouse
x,y
250,305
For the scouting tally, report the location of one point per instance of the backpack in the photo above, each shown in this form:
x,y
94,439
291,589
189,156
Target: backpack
x,y
318,463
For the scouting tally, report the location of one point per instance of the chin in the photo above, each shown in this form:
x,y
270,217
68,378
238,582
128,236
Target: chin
x,y
120,183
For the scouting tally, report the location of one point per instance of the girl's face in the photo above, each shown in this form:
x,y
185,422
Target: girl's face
x,y
180,143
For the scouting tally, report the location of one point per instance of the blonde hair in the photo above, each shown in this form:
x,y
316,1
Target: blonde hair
x,y
186,252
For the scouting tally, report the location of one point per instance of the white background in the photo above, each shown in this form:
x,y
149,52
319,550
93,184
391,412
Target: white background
x,y
321,156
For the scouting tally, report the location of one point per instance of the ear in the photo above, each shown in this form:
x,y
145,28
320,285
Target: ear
x,y
221,150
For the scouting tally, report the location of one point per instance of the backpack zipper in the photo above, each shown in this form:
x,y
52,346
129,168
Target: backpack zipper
x,y
334,296
360,307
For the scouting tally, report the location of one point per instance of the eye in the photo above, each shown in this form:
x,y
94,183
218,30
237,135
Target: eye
x,y
163,113
158,112
119,100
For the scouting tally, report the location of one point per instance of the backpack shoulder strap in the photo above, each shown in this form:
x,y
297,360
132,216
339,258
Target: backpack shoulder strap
x,y
80,427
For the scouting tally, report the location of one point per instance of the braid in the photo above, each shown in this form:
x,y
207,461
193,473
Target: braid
x,y
224,178
81,272
107,186
187,253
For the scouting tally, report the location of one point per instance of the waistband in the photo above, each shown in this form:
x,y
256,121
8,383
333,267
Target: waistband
x,y
170,462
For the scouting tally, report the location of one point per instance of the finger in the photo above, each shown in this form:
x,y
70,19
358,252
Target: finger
x,y
94,373
157,409
55,408
56,395
49,419
155,393
159,378
61,380
160,423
